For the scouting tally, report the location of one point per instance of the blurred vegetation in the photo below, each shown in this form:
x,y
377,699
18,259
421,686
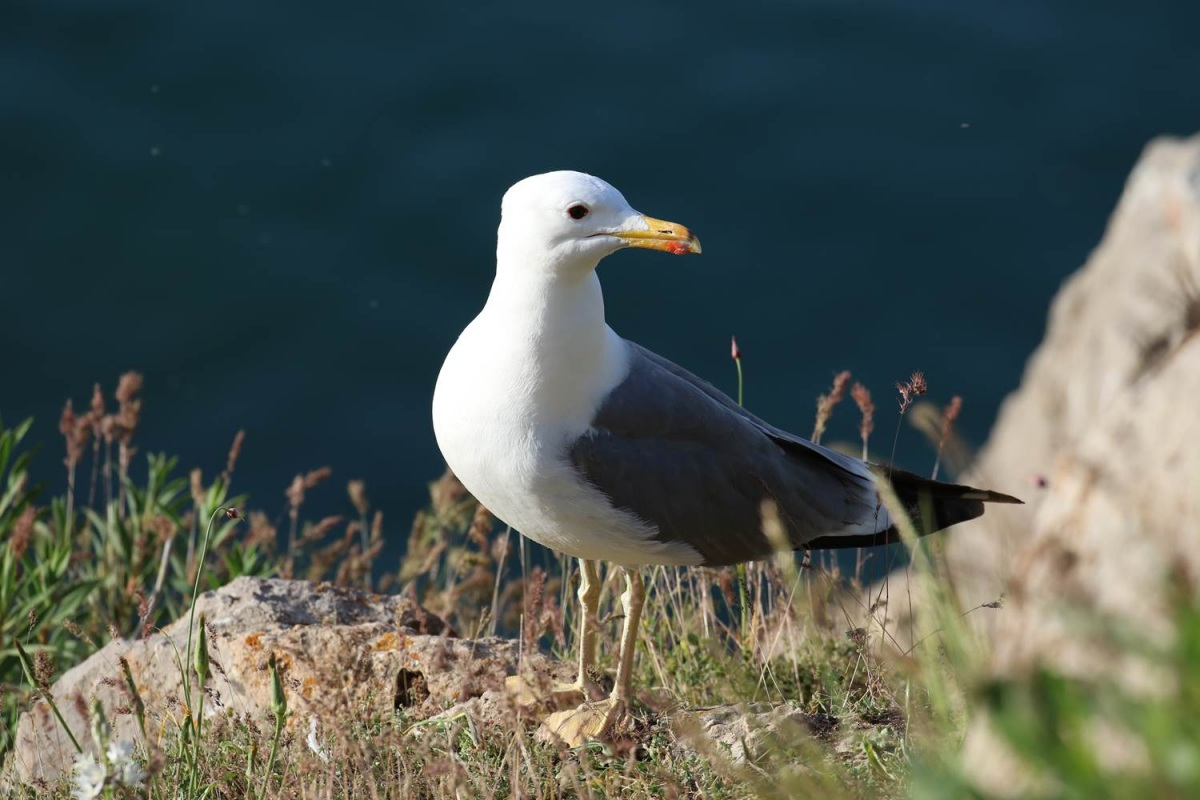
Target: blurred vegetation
x,y
118,555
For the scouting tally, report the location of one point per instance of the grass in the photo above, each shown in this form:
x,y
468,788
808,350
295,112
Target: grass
x,y
885,721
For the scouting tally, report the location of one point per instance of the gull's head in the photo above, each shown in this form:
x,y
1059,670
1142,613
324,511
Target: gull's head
x,y
567,221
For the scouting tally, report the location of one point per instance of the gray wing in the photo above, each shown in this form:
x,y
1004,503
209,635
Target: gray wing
x,y
670,448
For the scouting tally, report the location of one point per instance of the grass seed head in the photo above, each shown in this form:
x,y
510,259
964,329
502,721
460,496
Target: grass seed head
x,y
949,415
101,732
129,410
827,402
235,450
911,390
75,431
313,477
97,410
22,533
862,398
43,670
295,494
481,526
358,496
262,532
196,485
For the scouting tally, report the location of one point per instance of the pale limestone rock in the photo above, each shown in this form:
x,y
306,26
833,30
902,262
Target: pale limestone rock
x,y
749,734
1108,415
344,653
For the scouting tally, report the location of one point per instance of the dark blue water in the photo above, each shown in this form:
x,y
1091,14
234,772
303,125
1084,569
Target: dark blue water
x,y
284,213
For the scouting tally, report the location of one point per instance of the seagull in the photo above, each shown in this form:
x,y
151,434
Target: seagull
x,y
594,446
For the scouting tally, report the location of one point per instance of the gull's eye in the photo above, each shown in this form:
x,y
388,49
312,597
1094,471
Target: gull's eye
x,y
577,211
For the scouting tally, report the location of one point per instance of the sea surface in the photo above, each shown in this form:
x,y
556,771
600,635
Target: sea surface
x,y
284,213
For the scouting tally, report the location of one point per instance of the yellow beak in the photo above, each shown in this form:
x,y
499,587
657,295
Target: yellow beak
x,y
666,236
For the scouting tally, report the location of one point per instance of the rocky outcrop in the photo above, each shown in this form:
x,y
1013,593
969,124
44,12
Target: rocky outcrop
x,y
1103,428
341,653
1104,431
1098,438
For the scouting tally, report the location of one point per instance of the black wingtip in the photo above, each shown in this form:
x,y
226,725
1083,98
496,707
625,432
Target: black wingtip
x,y
988,496
951,504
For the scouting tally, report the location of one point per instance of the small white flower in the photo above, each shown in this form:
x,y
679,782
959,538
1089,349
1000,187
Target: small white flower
x,y
119,752
313,743
126,770
88,781
132,775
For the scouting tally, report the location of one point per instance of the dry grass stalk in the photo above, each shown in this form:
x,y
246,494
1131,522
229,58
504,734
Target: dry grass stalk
x,y
235,450
96,415
196,487
263,534
75,431
295,497
22,533
862,399
129,415
481,527
827,402
532,605
910,390
357,490
43,670
949,415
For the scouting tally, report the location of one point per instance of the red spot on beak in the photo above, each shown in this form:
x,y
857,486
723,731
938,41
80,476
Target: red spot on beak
x,y
680,248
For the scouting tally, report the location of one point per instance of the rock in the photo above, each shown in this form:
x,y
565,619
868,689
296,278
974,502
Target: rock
x,y
494,709
1105,422
748,734
343,653
1100,435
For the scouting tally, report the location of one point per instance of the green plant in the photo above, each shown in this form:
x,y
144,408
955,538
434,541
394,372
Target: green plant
x,y
39,597
75,574
886,718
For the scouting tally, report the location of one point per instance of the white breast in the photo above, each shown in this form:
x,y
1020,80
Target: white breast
x,y
512,395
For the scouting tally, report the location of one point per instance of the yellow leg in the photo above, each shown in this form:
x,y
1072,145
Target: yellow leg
x,y
561,693
595,720
631,603
589,614
529,694
589,618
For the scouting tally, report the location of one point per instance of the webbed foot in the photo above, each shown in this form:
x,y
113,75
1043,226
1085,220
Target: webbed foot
x,y
588,722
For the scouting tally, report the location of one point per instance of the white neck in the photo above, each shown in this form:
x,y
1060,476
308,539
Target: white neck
x,y
560,353
544,300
